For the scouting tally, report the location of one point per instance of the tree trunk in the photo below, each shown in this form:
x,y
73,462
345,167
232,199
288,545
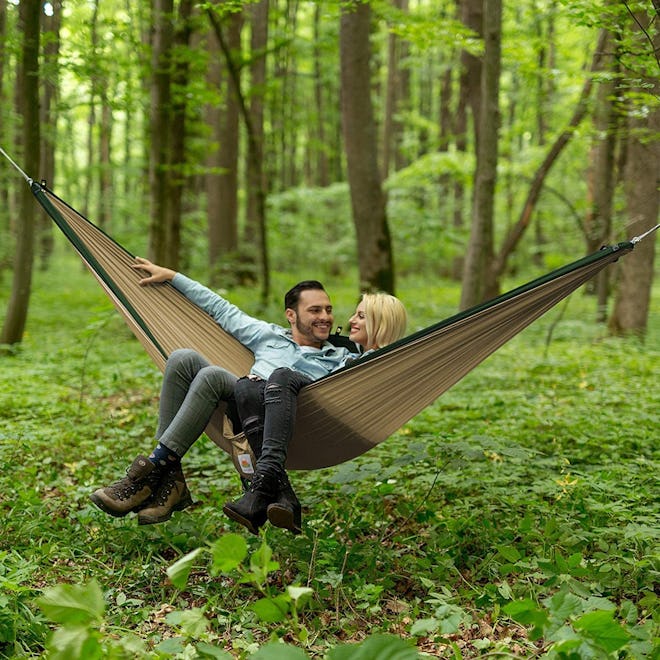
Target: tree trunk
x,y
469,94
359,128
601,176
254,156
477,283
161,100
222,184
27,82
322,173
5,212
48,120
631,307
256,184
517,231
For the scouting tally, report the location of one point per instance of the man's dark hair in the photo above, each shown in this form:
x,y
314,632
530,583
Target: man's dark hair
x,y
292,296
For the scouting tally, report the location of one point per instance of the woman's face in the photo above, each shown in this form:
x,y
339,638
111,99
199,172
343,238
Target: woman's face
x,y
358,325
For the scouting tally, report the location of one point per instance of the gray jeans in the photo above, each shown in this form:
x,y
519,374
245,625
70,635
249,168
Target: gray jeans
x,y
192,389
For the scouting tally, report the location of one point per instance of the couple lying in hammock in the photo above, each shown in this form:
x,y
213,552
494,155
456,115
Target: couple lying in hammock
x,y
262,404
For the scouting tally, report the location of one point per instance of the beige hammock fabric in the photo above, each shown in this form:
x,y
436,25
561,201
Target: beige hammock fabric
x,y
350,411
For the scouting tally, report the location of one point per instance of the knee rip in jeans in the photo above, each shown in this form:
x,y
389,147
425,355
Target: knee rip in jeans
x,y
252,425
272,393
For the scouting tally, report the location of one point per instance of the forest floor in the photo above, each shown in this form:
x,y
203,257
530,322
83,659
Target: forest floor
x,y
517,516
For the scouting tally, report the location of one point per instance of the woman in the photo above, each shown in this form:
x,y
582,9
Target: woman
x,y
379,319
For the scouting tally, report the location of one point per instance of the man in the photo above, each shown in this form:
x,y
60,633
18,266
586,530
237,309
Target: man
x,y
192,388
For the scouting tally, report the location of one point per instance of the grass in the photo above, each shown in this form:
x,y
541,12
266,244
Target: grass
x,y
517,516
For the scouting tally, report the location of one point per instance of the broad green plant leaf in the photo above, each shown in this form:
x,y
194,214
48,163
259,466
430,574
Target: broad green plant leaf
x,y
603,630
72,604
228,552
376,647
206,650
299,595
271,610
279,651
179,571
191,622
74,642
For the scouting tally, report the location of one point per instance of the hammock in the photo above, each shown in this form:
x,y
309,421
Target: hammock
x,y
348,412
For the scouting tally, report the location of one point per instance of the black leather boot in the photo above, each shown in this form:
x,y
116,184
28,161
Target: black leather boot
x,y
251,509
285,512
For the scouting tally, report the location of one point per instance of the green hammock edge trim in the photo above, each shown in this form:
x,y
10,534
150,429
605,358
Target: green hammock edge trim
x,y
37,190
606,251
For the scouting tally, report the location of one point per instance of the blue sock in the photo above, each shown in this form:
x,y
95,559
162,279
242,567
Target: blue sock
x,y
163,456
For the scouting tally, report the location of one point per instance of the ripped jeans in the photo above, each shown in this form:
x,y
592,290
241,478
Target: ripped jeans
x,y
267,410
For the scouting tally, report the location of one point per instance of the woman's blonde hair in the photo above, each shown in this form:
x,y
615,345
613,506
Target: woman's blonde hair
x,y
386,318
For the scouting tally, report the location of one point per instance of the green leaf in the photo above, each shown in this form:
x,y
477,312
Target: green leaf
x,y
206,650
509,553
423,627
193,623
179,571
601,628
271,610
564,604
71,604
279,651
375,647
299,595
228,553
74,642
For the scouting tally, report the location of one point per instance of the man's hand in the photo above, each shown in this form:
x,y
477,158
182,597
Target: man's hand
x,y
156,273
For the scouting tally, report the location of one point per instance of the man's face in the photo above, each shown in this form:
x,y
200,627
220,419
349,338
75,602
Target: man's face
x,y
312,321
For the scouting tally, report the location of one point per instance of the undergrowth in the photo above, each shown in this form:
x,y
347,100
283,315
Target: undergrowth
x,y
517,516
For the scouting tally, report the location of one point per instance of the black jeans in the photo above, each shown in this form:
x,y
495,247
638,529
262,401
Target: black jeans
x,y
267,410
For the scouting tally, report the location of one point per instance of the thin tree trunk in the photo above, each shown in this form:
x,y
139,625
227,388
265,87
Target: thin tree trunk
x,y
477,284
159,157
28,108
517,231
367,196
642,176
322,174
254,155
601,176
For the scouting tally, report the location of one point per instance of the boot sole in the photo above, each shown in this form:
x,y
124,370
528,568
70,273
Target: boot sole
x,y
182,504
282,517
237,517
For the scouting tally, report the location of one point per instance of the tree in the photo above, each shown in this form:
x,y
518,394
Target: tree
x,y
359,128
222,180
27,96
168,128
631,308
477,282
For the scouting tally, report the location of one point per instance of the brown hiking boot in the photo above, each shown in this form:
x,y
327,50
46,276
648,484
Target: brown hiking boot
x,y
131,492
172,495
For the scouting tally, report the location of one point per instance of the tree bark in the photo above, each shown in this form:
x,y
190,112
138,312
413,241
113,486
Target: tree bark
x,y
359,129
28,109
48,121
631,307
222,184
256,183
601,176
254,156
477,283
516,233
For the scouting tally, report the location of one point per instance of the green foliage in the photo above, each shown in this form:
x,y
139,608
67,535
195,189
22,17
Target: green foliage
x,y
516,516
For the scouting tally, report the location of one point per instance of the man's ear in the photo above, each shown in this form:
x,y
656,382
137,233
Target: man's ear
x,y
290,315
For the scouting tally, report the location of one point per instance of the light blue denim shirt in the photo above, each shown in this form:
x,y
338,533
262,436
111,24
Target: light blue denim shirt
x,y
273,346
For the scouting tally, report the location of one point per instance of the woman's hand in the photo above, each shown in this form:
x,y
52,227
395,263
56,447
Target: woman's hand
x,y
156,273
